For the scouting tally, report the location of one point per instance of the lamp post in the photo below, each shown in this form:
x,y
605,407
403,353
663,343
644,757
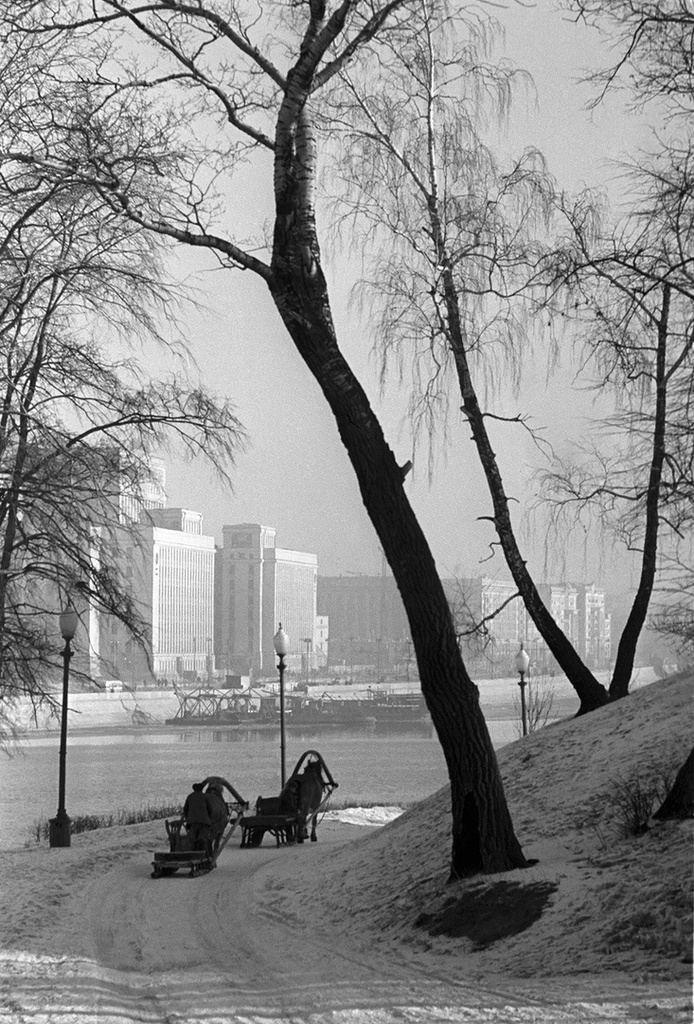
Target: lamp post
x,y
522,663
281,642
309,648
59,827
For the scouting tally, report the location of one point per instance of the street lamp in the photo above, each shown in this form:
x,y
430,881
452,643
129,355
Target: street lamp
x,y
309,647
522,663
281,642
59,827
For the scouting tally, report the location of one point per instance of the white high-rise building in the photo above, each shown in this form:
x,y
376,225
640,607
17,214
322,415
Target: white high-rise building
x,y
179,574
169,564
259,586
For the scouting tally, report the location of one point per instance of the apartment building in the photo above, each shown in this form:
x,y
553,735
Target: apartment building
x,y
368,622
577,608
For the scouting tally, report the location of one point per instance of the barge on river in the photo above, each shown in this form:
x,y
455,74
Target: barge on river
x,y
253,708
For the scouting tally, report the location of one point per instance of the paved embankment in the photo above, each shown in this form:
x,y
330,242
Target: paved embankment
x,y
105,710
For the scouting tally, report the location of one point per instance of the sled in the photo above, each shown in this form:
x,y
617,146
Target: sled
x,y
291,816
181,855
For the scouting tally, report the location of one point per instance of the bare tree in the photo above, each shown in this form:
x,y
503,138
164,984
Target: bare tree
x,y
654,43
639,486
230,62
78,428
673,618
458,255
630,287
459,258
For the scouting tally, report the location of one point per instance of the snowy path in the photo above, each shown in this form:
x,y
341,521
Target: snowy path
x,y
208,950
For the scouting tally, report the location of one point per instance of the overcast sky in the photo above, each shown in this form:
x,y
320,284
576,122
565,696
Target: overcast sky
x,y
296,475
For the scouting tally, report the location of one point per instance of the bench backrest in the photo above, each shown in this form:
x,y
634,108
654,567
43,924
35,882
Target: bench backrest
x,y
268,805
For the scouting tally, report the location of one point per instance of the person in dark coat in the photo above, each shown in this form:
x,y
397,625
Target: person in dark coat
x,y
197,816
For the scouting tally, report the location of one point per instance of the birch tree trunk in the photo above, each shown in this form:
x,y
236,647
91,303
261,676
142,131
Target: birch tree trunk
x,y
626,651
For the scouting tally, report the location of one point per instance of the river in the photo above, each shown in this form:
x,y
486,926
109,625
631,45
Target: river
x,y
119,770
116,767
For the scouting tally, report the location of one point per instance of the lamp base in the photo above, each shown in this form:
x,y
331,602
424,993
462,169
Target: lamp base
x,y
59,831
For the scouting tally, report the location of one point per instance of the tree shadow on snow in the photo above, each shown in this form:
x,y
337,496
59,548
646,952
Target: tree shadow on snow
x,y
487,913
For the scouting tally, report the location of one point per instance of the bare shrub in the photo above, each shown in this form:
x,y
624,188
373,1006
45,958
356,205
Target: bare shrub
x,y
634,798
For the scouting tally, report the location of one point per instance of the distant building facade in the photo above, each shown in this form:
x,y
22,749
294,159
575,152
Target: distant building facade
x,y
169,566
213,611
491,622
258,586
367,607
577,608
594,627
121,500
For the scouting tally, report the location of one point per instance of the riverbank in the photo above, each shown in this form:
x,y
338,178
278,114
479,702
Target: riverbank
x,y
499,699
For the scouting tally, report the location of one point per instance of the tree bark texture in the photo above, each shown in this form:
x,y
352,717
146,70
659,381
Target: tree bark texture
x,y
679,803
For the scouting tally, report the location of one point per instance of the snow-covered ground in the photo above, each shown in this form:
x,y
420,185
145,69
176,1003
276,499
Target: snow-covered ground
x,y
361,927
